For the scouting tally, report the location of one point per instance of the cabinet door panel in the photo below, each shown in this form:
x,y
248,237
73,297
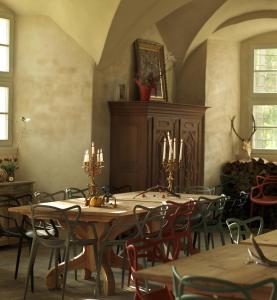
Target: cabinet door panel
x,y
191,133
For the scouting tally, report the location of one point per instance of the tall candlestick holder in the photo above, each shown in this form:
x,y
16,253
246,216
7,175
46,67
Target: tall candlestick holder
x,y
170,167
170,162
93,166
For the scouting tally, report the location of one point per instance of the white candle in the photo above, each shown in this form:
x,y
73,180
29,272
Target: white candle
x,y
174,149
86,157
98,156
92,148
170,150
164,149
101,156
181,150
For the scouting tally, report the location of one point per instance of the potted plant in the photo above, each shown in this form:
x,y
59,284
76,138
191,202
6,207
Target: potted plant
x,y
146,83
9,165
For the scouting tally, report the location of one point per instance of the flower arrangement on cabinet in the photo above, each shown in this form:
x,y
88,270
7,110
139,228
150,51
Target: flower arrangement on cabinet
x,y
8,165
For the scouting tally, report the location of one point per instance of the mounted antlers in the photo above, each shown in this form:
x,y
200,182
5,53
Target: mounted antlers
x,y
246,143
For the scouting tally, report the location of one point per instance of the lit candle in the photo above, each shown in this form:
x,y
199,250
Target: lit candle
x,y
92,148
101,156
98,156
181,150
164,149
86,157
174,149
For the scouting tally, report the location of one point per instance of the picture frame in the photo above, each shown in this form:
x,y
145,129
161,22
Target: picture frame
x,y
150,59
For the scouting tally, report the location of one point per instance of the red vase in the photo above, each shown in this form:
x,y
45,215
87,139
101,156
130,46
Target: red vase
x,y
145,92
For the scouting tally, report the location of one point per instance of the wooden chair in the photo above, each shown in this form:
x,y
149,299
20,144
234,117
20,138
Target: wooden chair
x,y
202,288
50,240
264,194
240,229
142,251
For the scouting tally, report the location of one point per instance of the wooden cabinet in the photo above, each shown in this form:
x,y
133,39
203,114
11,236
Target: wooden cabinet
x,y
137,133
12,188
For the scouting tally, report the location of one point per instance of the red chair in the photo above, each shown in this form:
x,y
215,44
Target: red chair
x,y
179,222
142,251
265,179
264,194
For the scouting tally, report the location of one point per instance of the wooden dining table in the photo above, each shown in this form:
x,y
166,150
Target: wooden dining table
x,y
102,217
267,239
230,262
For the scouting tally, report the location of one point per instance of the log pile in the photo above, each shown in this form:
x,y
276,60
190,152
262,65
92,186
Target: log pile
x,y
240,176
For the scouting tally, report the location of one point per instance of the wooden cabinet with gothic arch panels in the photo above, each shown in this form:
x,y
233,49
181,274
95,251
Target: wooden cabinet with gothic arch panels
x,y
137,133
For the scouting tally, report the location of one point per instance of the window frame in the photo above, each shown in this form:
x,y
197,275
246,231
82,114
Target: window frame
x,y
259,98
6,78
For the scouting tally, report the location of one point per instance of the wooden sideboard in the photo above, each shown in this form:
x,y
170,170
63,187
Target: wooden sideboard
x,y
137,133
12,188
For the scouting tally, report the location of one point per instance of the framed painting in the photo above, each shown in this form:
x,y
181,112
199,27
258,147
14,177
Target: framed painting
x,y
150,68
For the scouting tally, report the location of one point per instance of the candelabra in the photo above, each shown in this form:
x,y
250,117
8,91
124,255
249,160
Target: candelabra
x,y
171,164
93,165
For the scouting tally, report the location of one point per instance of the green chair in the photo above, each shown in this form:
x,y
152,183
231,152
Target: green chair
x,y
242,229
212,288
209,220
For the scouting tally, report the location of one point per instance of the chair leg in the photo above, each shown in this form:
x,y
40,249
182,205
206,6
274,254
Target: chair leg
x,y
50,259
212,239
65,269
206,239
222,236
75,254
32,258
56,267
251,209
18,256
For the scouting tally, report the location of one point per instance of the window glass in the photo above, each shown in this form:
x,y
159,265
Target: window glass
x,y
265,71
266,123
4,59
4,99
4,127
4,31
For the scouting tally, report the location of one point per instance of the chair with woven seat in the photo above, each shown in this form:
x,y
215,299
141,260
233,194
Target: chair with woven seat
x,y
211,212
202,288
52,241
242,229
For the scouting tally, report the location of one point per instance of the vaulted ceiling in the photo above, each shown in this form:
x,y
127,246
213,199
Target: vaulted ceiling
x,y
105,27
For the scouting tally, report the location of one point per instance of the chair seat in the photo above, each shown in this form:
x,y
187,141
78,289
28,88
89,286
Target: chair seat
x,y
161,294
265,200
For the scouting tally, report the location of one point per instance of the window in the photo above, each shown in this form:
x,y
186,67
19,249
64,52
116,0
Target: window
x,y
264,99
6,76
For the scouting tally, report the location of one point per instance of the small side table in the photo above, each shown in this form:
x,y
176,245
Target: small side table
x,y
13,188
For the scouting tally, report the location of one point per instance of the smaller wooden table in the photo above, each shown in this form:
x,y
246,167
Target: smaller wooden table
x,y
227,262
267,239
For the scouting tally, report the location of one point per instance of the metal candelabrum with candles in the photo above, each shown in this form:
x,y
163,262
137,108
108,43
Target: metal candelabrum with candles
x,y
93,165
170,162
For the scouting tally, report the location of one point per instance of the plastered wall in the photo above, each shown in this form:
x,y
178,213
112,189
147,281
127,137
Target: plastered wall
x,y
53,86
223,98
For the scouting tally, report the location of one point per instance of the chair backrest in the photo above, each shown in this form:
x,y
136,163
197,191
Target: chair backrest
x,y
150,221
45,230
200,190
42,197
241,229
142,252
72,192
264,179
212,210
216,288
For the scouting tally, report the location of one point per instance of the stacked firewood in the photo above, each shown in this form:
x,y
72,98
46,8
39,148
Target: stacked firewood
x,y
240,176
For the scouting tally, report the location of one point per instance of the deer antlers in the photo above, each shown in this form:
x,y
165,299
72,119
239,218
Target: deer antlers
x,y
236,133
259,257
